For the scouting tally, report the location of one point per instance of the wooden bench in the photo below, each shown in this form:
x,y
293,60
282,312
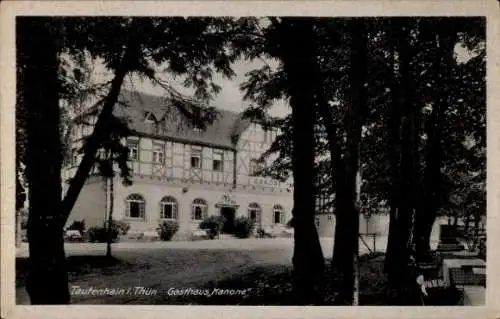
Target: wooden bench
x,y
431,290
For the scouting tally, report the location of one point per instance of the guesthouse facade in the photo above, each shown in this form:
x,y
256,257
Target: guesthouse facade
x,y
182,172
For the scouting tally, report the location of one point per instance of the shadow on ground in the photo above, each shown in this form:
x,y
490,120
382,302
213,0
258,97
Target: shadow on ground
x,y
80,267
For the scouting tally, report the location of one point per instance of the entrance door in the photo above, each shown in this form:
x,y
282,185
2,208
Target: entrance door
x,y
228,214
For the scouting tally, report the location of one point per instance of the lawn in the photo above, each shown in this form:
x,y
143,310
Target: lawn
x,y
225,272
206,277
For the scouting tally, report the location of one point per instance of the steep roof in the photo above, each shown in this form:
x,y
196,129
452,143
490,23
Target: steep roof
x,y
168,123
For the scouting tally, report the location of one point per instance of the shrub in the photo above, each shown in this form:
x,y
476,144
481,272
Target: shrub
x,y
78,225
167,229
260,232
119,226
243,227
212,225
100,234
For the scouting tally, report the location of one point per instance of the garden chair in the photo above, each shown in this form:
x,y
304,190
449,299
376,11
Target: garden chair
x,y
434,292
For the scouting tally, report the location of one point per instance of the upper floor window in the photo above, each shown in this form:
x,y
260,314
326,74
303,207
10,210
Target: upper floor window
x,y
254,213
150,118
195,157
168,208
272,135
133,150
158,154
218,160
199,209
278,214
135,206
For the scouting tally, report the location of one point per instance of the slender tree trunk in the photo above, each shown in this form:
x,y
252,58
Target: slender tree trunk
x,y
403,198
394,150
337,173
298,55
340,255
356,108
100,130
38,56
110,215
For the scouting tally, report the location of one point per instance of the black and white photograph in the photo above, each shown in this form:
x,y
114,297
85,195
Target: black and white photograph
x,y
250,160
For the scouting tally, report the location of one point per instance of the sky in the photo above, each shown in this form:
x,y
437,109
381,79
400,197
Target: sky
x,y
229,98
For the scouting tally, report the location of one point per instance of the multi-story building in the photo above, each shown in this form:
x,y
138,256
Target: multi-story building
x,y
181,172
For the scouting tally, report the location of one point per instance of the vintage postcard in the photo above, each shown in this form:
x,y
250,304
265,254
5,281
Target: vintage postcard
x,y
249,159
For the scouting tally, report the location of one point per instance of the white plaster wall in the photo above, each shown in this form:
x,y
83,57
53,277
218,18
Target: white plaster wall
x,y
90,204
376,224
185,194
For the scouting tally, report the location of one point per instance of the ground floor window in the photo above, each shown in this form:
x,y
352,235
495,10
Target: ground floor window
x,y
135,206
254,213
199,209
278,214
168,208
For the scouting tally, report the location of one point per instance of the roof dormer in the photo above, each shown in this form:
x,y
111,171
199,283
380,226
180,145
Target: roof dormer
x,y
150,118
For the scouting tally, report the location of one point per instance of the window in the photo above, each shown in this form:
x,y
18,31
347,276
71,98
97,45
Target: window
x,y
197,129
278,214
217,164
255,167
199,209
168,208
254,213
317,222
158,154
195,157
135,206
271,135
329,217
133,151
150,118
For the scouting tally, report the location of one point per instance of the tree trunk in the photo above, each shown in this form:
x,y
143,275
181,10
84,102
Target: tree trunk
x,y
398,247
340,256
356,108
100,131
394,149
38,56
434,157
298,56
110,215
